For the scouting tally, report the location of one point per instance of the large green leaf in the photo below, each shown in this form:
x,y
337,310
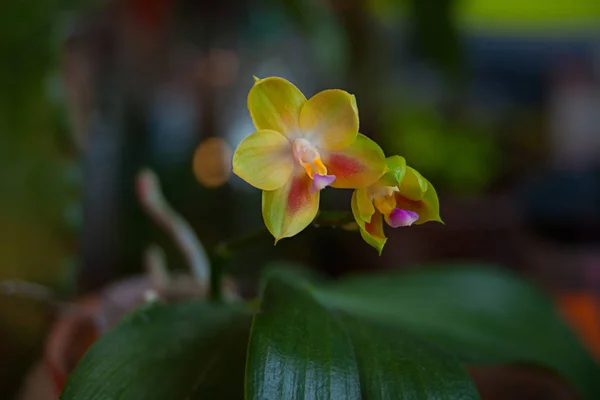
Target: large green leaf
x,y
302,347
481,314
191,350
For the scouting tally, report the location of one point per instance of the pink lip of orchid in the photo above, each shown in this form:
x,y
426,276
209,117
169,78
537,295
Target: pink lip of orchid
x,y
320,182
399,217
308,157
300,147
401,197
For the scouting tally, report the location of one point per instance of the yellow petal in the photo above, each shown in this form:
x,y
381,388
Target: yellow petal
x,y
275,103
428,207
364,203
372,231
413,185
357,166
329,119
264,159
385,205
291,208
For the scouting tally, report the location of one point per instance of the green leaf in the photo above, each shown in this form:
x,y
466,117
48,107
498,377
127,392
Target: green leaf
x,y
483,315
396,168
191,350
301,347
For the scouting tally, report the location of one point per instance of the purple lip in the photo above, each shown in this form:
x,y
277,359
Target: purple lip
x,y
399,217
321,181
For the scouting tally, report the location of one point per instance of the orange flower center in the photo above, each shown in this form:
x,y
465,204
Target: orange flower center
x,y
383,198
308,156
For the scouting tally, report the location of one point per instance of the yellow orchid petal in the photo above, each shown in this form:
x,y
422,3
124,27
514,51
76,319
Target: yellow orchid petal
x,y
329,119
413,185
365,204
385,205
291,208
372,231
275,103
428,207
357,166
264,159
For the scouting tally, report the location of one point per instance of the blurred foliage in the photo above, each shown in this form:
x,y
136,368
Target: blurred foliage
x,y
320,26
38,178
526,14
557,13
457,154
437,34
434,28
388,11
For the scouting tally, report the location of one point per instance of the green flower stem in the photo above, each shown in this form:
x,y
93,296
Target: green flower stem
x,y
227,249
334,219
216,278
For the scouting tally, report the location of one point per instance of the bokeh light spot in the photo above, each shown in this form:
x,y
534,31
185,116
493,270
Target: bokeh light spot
x,y
212,162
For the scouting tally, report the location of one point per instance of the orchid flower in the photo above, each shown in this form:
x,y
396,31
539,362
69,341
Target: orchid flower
x,y
300,147
401,197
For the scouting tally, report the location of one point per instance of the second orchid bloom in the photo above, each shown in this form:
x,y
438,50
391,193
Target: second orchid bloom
x,y
302,146
401,197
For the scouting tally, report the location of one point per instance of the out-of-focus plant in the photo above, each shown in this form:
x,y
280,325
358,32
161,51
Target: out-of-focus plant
x,y
464,157
319,24
395,336
39,181
527,15
434,28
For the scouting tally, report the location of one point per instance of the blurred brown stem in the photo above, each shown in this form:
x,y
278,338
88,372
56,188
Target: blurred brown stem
x,y
154,202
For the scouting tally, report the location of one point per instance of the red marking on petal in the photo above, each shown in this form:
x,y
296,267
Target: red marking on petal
x,y
299,194
342,165
417,206
369,227
374,227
